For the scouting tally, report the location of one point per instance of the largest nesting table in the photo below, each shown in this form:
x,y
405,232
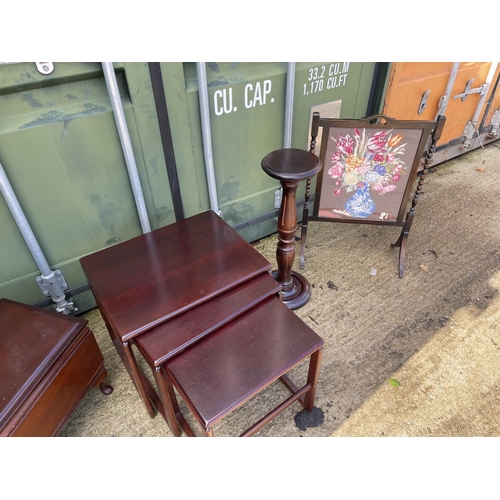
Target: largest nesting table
x,y
167,290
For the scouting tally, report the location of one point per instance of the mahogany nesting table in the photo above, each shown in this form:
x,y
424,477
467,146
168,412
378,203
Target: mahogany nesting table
x,y
150,279
48,362
225,369
290,166
177,294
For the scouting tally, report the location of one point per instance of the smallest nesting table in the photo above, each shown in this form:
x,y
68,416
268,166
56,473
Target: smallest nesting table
x,y
290,167
223,370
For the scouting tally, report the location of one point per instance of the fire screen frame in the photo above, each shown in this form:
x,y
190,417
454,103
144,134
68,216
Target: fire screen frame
x,y
377,154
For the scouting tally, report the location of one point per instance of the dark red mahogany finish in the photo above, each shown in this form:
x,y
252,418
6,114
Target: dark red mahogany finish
x,y
148,280
218,374
153,277
169,339
290,167
48,361
194,289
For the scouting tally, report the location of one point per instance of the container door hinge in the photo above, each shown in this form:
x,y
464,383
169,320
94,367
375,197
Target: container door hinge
x,y
423,102
468,90
45,68
443,102
469,132
495,123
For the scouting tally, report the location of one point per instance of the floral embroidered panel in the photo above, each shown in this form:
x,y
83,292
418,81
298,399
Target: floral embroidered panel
x,y
366,172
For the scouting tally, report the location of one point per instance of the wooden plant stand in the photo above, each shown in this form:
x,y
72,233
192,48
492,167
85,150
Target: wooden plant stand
x,y
290,167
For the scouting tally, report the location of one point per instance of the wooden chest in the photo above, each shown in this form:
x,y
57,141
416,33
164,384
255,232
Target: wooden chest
x,y
48,361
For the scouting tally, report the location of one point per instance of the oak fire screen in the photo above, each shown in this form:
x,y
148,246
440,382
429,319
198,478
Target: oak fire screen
x,y
369,168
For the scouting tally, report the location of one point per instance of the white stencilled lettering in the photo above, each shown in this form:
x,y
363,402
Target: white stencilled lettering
x,y
226,95
335,76
258,95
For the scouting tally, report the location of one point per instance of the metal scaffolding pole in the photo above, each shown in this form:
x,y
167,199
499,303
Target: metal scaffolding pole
x,y
128,152
52,283
207,137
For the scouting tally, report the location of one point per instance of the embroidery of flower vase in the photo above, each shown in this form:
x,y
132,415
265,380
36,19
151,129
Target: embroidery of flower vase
x,y
364,160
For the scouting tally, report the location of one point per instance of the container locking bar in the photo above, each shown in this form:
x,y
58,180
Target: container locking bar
x,y
468,90
52,283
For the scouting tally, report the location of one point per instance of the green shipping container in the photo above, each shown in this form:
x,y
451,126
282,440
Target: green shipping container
x,y
61,150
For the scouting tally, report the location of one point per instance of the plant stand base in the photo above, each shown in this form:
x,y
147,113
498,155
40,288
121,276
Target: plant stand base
x,y
298,294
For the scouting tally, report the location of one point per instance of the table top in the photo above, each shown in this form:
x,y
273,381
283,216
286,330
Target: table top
x,y
165,341
151,278
291,164
31,340
226,368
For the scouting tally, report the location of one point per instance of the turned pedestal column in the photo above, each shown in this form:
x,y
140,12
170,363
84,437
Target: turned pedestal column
x,y
290,167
